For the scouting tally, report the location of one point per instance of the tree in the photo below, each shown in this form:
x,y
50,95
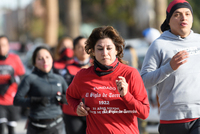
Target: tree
x,y
118,13
73,17
51,22
160,9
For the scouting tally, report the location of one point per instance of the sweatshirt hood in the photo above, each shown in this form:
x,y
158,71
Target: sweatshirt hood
x,y
170,36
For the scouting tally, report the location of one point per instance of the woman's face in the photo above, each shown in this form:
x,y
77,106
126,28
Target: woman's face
x,y
67,43
43,60
79,50
105,51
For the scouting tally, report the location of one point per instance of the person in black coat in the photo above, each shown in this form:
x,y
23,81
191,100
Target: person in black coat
x,y
43,91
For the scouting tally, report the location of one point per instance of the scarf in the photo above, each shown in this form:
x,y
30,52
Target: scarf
x,y
3,57
101,70
66,54
81,63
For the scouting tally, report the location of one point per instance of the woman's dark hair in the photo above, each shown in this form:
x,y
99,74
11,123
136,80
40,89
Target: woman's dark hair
x,y
76,40
3,36
37,49
102,33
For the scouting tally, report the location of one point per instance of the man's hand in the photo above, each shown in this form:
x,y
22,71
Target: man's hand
x,y
179,59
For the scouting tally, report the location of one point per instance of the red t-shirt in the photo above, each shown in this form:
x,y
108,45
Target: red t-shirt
x,y
110,113
12,62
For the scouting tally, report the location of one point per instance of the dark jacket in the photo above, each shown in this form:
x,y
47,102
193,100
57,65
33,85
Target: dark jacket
x,y
40,84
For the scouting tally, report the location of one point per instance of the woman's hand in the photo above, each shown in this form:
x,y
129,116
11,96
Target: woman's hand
x,y
82,110
122,86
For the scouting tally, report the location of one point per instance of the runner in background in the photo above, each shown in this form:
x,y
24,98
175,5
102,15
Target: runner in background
x,y
43,92
63,54
11,72
130,55
75,124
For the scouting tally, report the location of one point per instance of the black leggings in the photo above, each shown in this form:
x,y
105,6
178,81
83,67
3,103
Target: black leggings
x,y
192,127
75,124
11,113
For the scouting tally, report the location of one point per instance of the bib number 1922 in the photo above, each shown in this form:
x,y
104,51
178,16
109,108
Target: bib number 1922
x,y
104,102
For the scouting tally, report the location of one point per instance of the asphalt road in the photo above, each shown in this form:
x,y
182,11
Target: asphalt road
x,y
20,127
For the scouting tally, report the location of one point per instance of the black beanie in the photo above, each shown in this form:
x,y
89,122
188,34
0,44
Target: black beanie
x,y
174,5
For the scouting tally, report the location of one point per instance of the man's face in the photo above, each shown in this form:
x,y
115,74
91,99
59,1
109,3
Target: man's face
x,y
181,22
4,46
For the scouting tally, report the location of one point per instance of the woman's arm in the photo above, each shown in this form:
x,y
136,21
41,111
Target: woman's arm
x,y
73,96
20,97
136,97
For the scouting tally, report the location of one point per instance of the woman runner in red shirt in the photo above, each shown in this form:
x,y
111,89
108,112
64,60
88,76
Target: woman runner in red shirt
x,y
114,93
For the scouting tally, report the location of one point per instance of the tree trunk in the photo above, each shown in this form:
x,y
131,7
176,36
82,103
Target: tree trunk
x,y
160,9
73,17
51,22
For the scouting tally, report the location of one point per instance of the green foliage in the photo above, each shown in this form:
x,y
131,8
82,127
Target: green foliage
x,y
121,10
109,11
61,30
196,23
196,13
36,27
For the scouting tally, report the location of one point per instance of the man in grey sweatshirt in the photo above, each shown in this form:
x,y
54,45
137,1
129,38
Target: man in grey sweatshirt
x,y
172,64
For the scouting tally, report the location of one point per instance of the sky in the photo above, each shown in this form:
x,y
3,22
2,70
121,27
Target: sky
x,y
13,4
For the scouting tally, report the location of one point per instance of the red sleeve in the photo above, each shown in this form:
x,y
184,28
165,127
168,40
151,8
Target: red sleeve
x,y
19,70
72,95
137,96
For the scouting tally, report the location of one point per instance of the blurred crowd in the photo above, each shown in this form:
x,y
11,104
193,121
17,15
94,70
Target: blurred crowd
x,y
69,56
104,83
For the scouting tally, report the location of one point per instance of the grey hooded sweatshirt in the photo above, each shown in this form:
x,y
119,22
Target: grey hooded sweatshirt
x,y
178,90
